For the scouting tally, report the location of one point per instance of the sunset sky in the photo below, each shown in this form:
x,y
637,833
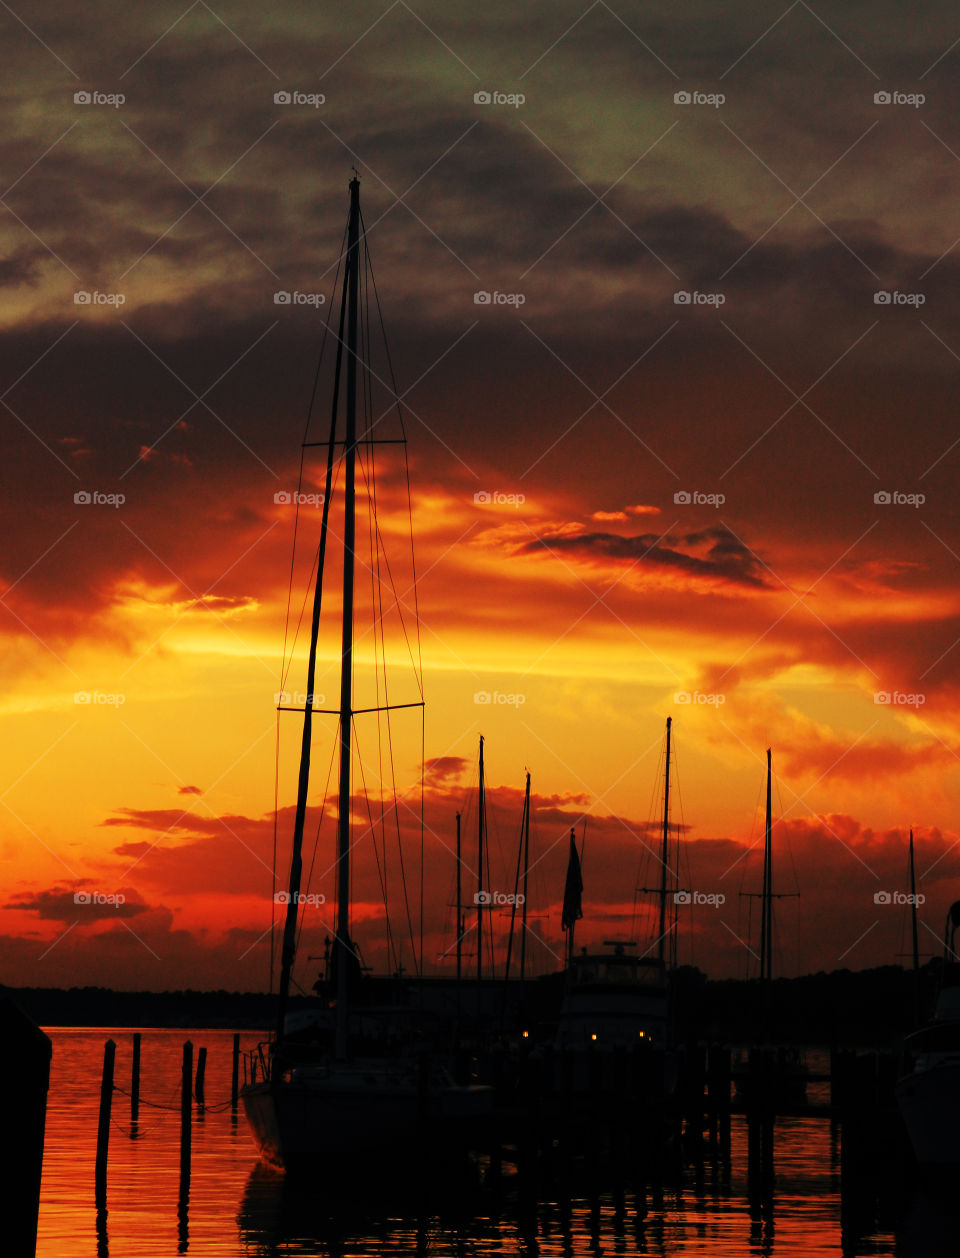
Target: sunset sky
x,y
619,499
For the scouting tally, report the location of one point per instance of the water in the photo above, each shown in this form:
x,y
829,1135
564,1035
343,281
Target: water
x,y
238,1207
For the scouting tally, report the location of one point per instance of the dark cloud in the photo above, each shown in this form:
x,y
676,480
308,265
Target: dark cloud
x,y
81,903
724,556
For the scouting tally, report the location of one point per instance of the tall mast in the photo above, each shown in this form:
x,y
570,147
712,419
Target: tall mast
x,y
572,927
459,908
916,941
344,946
296,860
526,870
766,901
665,854
913,908
481,821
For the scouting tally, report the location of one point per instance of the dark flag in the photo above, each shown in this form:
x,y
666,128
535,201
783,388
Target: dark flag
x,y
573,889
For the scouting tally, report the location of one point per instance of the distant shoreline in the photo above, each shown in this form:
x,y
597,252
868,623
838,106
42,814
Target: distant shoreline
x,y
865,1006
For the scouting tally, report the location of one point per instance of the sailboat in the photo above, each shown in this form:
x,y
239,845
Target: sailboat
x,y
308,1101
928,1095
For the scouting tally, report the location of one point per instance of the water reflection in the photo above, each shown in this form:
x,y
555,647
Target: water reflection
x,y
781,1200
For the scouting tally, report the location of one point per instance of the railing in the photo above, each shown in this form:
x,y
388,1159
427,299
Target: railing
x,y
256,1064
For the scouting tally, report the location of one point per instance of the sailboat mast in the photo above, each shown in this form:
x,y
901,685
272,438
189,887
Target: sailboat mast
x,y
913,909
766,902
481,821
459,911
344,946
303,781
916,941
665,854
526,870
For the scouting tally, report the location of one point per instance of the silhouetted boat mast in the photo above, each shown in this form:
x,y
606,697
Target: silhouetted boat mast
x,y
481,826
665,854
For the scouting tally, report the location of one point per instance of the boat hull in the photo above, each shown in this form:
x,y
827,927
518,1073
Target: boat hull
x,y
319,1120
929,1102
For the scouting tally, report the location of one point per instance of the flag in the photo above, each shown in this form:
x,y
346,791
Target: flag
x,y
573,889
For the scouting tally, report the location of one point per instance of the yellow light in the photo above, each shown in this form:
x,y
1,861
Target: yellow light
x,y
526,1035
593,1036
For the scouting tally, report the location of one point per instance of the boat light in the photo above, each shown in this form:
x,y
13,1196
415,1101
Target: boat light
x,y
594,1035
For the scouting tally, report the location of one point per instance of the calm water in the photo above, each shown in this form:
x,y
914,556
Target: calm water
x,y
237,1207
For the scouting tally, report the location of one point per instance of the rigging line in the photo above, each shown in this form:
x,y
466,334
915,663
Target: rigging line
x,y
403,879
370,482
406,459
417,664
316,837
363,456
491,947
683,851
372,497
307,589
391,947
306,433
422,826
273,886
328,483
516,887
287,662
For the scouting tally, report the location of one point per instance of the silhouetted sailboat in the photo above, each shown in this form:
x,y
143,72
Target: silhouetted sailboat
x,y
929,1093
310,1102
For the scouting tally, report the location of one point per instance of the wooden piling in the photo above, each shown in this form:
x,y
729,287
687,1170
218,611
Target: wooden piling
x,y
103,1125
135,1085
186,1096
201,1077
235,1077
